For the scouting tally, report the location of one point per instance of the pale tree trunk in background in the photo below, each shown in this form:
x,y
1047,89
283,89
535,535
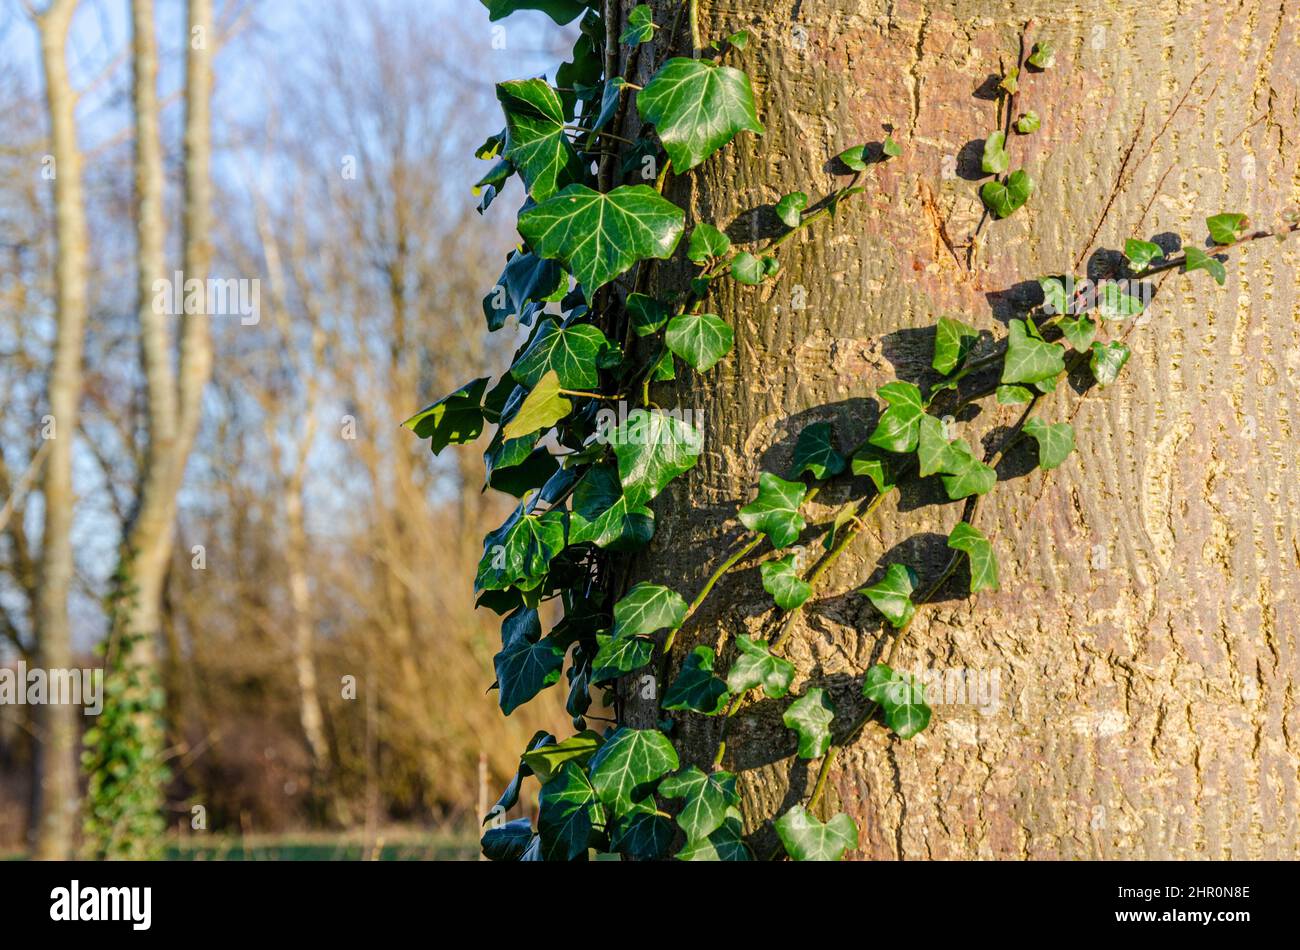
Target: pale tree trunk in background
x,y
56,774
1144,636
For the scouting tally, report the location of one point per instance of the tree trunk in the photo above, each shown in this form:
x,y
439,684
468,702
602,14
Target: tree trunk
x,y
1143,639
56,771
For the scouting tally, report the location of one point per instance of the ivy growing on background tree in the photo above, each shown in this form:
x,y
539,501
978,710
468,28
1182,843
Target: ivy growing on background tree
x,y
592,228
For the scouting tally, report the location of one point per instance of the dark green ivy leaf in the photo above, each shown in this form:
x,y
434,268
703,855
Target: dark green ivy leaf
x,y
648,608
642,833
790,208
756,666
972,477
877,466
854,158
599,236
782,581
454,419
1107,360
628,764
572,352
696,688
810,716
619,656
892,594
567,812
648,315
561,11
807,839
539,147
1004,200
983,562
524,668
707,798
701,339
815,452
640,26
518,553
510,797
725,844
507,842
652,449
697,107
775,512
1055,441
1114,304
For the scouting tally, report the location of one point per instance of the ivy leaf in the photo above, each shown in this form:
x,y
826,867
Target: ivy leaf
x,y
525,668
697,107
747,269
541,409
810,716
1043,56
648,608
572,352
1029,359
539,147
790,208
536,469
934,452
892,594
701,339
628,763
527,279
1107,360
1004,200
1028,123
510,797
509,841
707,242
877,466
891,148
452,420
640,26
1141,253
807,839
952,343
599,236
567,810
1013,395
899,426
652,449
618,656
983,562
995,159
756,666
783,582
603,515
519,552
1010,82
1225,228
902,700
1055,441
855,158
696,688
1079,331
1054,298
775,512
1196,259
971,476
648,314
642,833
707,799
725,844
546,761
561,11
1114,304
815,452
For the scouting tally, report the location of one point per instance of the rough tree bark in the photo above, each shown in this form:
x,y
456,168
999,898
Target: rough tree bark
x,y
1145,634
56,795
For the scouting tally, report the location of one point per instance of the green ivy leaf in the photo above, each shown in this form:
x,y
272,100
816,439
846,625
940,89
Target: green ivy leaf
x,y
983,562
648,314
618,656
891,148
1010,82
519,552
899,426
525,666
509,841
603,515
1028,123
567,810
697,107
1003,200
707,798
807,839
1029,359
756,666
1107,360
648,608
630,761
696,688
541,409
454,419
599,236
892,594
725,844
815,452
952,343
747,269
782,581
1114,304
1196,259
775,512
1079,331
701,339
1055,441
790,208
995,159
546,761
1013,395
934,452
810,716
1225,228
1043,56
652,449
971,476
561,11
510,797
640,26
877,466
1054,298
902,700
855,158
572,352
539,147
1141,253
526,281
707,242
642,833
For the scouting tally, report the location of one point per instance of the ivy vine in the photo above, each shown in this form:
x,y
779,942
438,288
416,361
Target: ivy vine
x,y
595,223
